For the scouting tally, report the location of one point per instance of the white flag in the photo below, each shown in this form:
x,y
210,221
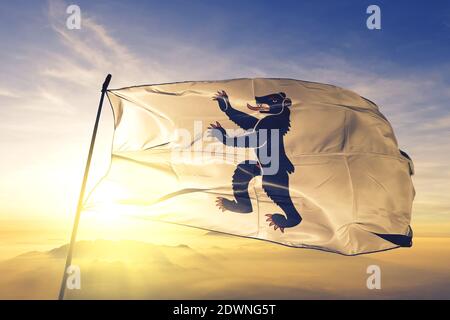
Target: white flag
x,y
294,162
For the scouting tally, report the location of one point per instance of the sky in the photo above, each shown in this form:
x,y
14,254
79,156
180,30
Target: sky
x,y
51,78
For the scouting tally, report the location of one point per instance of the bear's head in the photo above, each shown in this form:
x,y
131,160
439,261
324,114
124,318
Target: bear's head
x,y
274,103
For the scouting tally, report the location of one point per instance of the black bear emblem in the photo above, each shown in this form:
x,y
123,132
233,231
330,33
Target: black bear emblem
x,y
260,135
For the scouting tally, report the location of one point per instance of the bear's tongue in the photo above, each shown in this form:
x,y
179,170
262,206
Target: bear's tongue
x,y
259,107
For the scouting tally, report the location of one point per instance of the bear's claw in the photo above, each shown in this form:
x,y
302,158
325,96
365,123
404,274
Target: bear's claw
x,y
219,203
220,95
272,223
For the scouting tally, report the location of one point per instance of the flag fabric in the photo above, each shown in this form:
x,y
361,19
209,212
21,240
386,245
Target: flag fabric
x,y
298,163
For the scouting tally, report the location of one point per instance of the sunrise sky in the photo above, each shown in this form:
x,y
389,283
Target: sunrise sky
x,y
51,78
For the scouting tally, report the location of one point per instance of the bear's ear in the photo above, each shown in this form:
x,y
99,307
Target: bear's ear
x,y
287,102
282,94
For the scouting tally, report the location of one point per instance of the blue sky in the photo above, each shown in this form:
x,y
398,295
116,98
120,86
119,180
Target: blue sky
x,y
414,34
51,76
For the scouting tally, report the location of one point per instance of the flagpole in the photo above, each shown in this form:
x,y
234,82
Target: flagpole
x,y
82,190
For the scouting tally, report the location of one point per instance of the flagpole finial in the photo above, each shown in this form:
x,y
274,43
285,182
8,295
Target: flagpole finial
x,y
106,83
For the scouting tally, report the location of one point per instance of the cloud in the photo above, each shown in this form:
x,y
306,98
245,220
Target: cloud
x,y
439,123
88,54
8,93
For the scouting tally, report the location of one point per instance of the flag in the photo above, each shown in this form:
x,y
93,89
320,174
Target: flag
x,y
298,163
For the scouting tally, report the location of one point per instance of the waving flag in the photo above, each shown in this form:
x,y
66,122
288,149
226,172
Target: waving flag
x,y
294,162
